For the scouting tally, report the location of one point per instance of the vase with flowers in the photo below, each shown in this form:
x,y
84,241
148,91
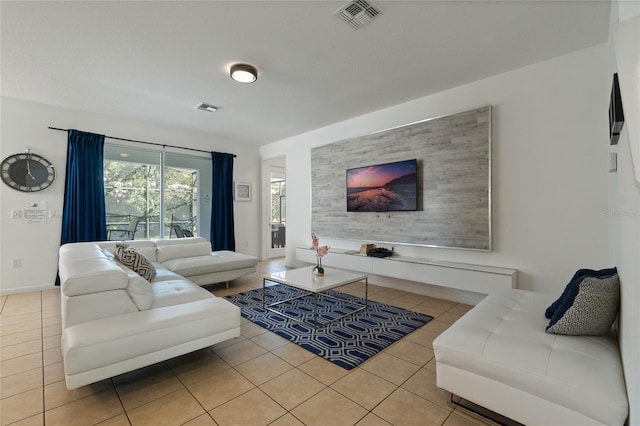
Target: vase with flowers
x,y
321,251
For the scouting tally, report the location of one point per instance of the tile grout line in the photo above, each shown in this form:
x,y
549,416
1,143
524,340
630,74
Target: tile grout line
x,y
396,386
287,411
399,387
124,410
304,401
189,390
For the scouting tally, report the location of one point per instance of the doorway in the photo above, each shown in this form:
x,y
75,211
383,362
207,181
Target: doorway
x,y
275,212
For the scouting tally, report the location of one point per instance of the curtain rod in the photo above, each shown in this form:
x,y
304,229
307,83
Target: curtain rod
x,y
147,143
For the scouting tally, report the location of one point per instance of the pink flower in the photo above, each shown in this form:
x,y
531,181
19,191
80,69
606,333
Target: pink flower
x,y
321,251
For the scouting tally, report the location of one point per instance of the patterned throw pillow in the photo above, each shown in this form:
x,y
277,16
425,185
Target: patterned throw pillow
x,y
591,310
572,287
134,261
120,248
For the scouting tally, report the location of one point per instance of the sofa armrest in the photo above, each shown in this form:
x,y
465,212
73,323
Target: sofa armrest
x,y
92,275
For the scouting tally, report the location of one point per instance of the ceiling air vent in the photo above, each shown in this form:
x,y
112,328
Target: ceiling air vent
x,y
359,12
207,107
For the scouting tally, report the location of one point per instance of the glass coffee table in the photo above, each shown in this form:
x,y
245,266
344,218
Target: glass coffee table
x,y
305,279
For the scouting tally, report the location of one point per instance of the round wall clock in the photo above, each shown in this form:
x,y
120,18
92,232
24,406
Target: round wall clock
x,y
27,172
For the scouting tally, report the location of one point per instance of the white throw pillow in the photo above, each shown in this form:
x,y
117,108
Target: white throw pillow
x,y
140,291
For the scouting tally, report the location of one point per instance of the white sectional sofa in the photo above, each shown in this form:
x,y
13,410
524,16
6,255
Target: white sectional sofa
x,y
498,356
115,321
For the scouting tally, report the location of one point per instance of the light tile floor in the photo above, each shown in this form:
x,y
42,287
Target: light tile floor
x,y
256,379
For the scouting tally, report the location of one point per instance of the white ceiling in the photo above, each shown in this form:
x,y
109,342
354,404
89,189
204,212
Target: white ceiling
x,y
155,61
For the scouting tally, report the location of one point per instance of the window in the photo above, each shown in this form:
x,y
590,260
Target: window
x,y
153,194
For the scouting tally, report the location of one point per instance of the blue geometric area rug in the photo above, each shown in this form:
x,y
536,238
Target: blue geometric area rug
x,y
348,341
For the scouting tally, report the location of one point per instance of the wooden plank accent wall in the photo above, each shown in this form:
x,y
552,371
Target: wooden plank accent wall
x,y
454,183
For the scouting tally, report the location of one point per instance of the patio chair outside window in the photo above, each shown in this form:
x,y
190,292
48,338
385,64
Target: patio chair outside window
x,y
128,233
180,233
176,227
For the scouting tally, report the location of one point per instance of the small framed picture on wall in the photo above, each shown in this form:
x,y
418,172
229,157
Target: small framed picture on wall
x,y
242,191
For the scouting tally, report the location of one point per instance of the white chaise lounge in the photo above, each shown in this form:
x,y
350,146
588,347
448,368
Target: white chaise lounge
x,y
498,356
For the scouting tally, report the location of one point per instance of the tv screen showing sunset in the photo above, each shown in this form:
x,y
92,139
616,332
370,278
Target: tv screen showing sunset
x,y
383,187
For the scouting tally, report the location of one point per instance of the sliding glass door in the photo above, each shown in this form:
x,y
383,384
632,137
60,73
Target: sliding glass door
x,y
155,194
186,195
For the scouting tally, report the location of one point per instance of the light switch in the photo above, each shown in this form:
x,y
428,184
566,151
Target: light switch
x,y
613,162
16,214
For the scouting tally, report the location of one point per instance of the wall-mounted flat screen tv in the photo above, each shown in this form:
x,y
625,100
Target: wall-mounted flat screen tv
x,y
383,187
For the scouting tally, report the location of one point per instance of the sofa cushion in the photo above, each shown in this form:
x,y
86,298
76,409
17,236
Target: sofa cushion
x,y
175,292
589,311
104,342
88,307
80,250
133,260
140,291
181,247
164,274
217,261
574,282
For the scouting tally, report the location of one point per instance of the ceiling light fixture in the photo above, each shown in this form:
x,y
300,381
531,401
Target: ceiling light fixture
x,y
243,73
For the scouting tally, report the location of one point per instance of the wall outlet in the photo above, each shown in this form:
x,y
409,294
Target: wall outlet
x,y
16,263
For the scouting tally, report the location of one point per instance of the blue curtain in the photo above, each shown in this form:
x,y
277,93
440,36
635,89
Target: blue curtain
x,y
84,211
222,228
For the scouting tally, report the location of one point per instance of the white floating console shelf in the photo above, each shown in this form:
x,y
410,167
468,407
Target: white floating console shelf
x,y
461,276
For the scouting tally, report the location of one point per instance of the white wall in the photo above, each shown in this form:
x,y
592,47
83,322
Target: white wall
x,y
550,166
26,123
624,225
624,201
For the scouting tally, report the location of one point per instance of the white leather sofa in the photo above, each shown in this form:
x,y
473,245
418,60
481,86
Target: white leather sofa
x,y
115,321
498,356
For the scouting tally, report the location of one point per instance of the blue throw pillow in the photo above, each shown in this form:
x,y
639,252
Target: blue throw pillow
x,y
575,281
589,308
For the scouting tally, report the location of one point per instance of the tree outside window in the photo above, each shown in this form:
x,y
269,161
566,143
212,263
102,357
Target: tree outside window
x,y
133,191
278,212
278,204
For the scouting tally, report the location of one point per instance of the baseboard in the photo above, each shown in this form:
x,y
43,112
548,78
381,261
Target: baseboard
x,y
17,290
